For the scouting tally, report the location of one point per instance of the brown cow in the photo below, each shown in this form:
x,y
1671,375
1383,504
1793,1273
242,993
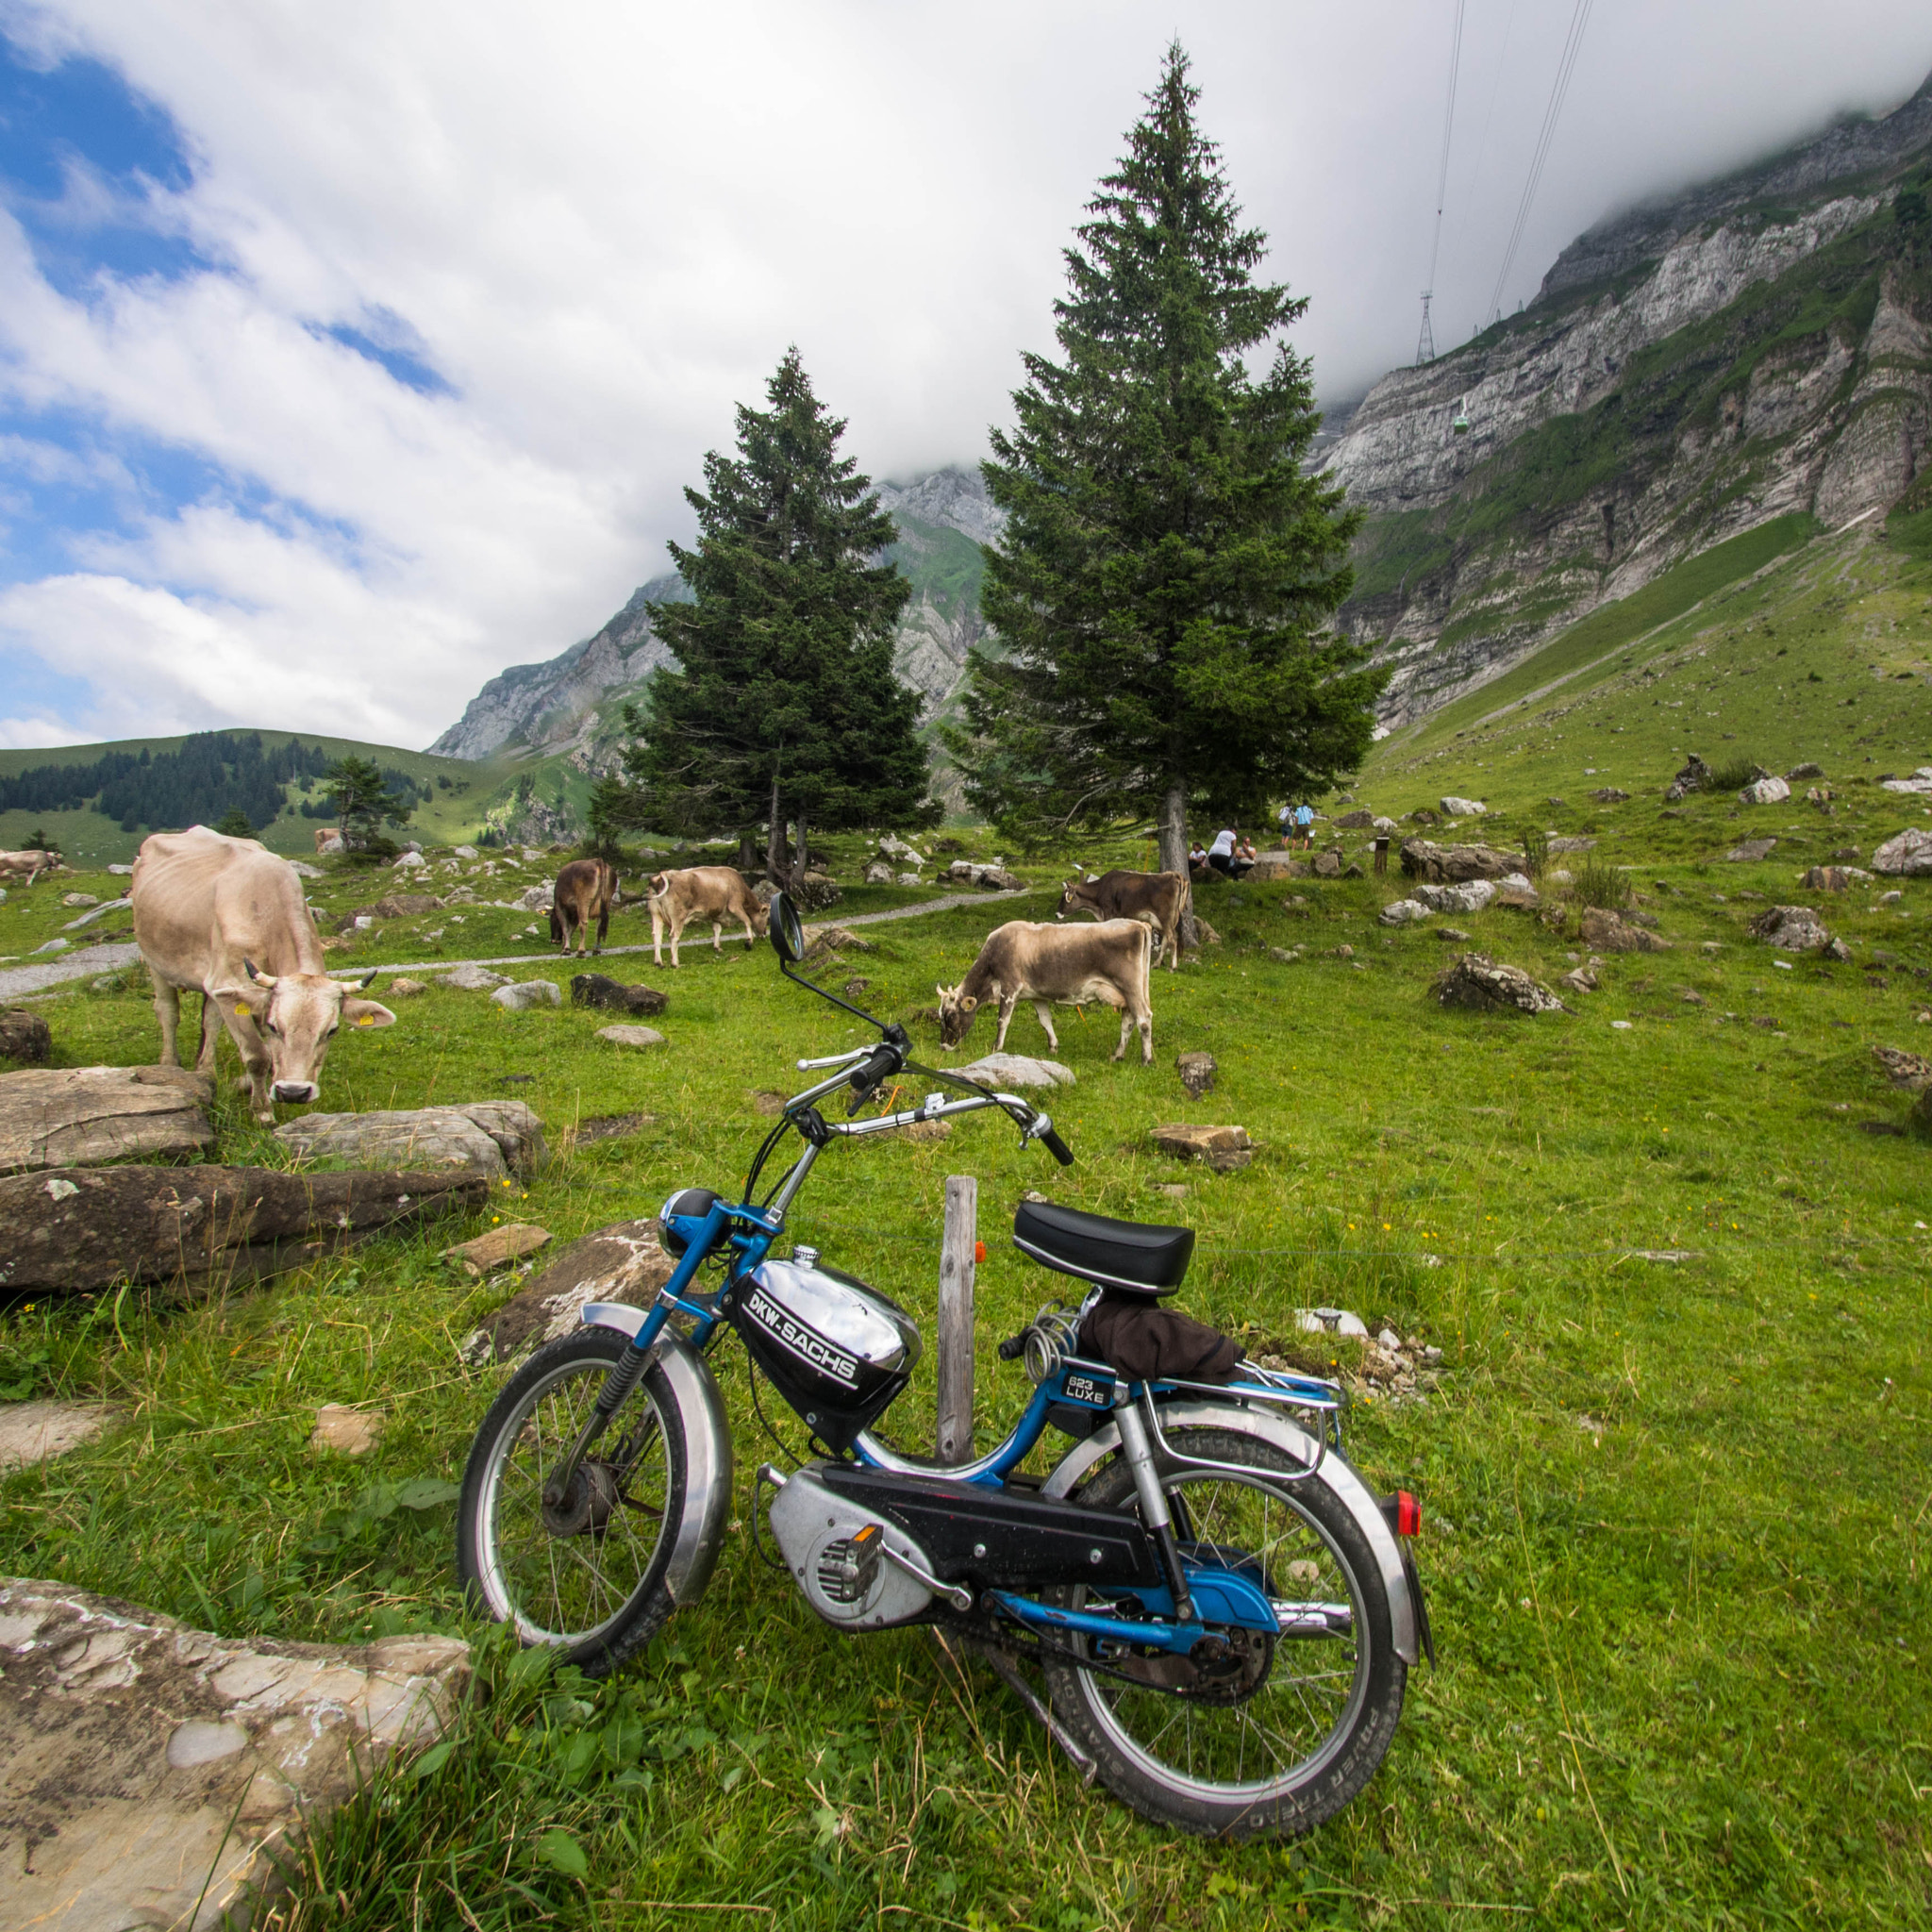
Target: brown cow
x,y
327,839
1158,899
29,865
717,892
1042,963
586,889
228,917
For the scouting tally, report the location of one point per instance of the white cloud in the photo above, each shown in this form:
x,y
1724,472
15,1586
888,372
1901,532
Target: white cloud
x,y
602,225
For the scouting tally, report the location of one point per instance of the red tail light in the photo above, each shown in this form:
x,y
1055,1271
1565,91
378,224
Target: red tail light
x,y
1408,1514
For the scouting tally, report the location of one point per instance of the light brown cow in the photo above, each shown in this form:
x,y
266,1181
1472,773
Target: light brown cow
x,y
586,889
1157,899
1020,961
227,916
28,865
327,839
717,892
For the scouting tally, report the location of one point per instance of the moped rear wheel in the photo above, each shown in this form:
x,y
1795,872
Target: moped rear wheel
x,y
1282,1732
586,1571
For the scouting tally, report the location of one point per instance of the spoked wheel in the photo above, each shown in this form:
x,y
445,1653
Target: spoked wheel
x,y
583,1569
1261,1733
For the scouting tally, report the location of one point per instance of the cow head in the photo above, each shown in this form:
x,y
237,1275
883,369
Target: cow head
x,y
957,1010
297,1015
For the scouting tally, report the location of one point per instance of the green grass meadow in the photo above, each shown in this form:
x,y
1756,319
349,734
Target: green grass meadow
x,y
1677,1513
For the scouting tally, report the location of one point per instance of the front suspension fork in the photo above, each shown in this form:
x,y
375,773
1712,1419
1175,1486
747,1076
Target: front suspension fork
x,y
624,1374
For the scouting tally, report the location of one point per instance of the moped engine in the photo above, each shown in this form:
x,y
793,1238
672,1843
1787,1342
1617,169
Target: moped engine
x,y
837,1552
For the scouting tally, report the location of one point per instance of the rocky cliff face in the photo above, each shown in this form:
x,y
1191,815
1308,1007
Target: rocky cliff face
x,y
571,703
1741,361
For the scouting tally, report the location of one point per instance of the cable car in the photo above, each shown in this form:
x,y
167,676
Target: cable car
x,y
1459,422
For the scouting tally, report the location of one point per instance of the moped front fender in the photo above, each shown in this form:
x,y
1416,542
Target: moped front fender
x,y
1274,1428
706,1450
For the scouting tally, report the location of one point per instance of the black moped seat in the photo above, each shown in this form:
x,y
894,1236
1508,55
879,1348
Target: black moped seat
x,y
1132,1255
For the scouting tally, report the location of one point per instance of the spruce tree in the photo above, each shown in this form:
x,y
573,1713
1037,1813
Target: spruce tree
x,y
1160,588
784,708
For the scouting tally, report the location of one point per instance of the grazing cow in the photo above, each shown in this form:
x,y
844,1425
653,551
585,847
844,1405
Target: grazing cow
x,y
586,889
1042,963
717,892
28,866
327,839
1157,899
227,916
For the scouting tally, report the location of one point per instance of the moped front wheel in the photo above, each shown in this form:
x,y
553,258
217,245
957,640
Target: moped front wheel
x,y
1266,1735
583,1570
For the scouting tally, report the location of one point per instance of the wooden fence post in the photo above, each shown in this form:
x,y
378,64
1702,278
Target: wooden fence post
x,y
959,1248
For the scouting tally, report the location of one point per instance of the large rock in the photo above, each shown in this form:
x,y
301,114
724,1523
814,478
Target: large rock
x,y
504,1245
1197,1072
34,1432
406,906
1792,929
537,898
1464,809
24,1037
631,1036
622,1262
1356,820
155,1775
1275,864
1908,1070
1611,932
1696,776
528,995
1575,844
1751,851
597,989
486,1137
1909,855
1404,912
85,1116
1765,791
1451,864
79,1228
1834,879
1476,983
1005,1071
1919,784
1471,897
468,978
995,878
1223,1149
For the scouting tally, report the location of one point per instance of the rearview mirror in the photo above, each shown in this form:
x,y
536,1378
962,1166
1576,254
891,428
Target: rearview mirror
x,y
788,936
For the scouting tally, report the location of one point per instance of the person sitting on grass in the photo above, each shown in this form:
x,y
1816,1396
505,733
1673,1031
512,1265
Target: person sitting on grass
x,y
1224,855
1197,860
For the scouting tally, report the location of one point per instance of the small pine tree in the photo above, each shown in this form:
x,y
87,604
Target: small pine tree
x,y
784,710
363,802
235,824
1167,565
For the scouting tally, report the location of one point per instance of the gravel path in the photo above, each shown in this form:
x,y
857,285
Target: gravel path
x,y
90,963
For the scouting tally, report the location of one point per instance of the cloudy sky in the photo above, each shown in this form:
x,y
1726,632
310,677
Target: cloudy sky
x,y
349,353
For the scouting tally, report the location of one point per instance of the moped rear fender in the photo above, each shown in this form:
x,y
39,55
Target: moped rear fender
x,y
706,1450
1287,1436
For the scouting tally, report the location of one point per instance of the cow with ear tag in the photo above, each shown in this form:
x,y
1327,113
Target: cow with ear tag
x,y
226,917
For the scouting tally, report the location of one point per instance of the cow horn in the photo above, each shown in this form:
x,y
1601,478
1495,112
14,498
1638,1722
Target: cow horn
x,y
368,979
252,972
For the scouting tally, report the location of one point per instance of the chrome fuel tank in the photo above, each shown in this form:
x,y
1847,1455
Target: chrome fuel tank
x,y
837,1350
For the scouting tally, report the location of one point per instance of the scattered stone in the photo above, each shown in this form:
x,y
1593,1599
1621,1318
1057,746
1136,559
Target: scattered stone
x,y
1696,776
1611,932
824,941
498,1248
1581,980
995,878
406,906
1608,794
404,989
1516,893
409,861
26,1036
1451,864
1834,879
1464,809
78,899
1806,770
472,979
622,1262
1390,1341
32,1432
1765,791
1357,820
1272,865
878,873
300,866
1919,784
54,945
87,1116
1009,1070
126,872
1751,851
631,1036
1197,1072
1479,984
1330,1321
907,878
1792,929
1205,933
1403,912
1890,898
162,1775
80,1229
1452,934
526,994
1175,1190
1835,949
1341,952
855,985
487,1137
1286,956
1223,1149
597,989
896,847
1907,855
347,1431
1691,997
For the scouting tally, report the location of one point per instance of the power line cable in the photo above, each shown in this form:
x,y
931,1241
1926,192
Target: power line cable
x,y
1566,66
1425,342
1471,198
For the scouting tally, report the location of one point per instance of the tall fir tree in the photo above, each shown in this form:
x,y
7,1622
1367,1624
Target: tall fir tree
x,y
784,710
1161,586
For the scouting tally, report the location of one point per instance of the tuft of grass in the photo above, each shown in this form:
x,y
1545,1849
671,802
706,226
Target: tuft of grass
x,y
1734,774
1536,852
1597,882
